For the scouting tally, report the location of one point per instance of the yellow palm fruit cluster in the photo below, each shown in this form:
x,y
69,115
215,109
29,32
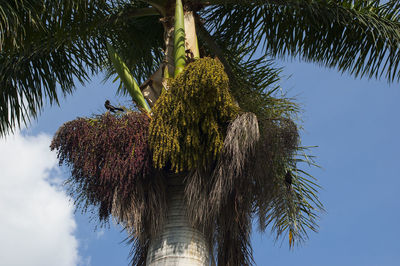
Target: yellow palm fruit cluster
x,y
190,119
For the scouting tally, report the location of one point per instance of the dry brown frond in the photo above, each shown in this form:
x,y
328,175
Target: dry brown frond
x,y
233,165
274,155
138,252
218,199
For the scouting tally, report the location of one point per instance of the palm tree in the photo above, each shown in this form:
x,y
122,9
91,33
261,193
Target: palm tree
x,y
220,145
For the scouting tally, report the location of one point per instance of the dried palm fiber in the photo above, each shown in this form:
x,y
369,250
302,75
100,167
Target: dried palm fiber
x,y
218,197
233,228
232,201
111,169
247,178
275,152
233,164
189,119
288,209
275,155
261,182
138,251
213,186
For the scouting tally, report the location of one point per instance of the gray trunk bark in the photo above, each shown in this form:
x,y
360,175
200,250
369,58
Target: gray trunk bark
x,y
179,244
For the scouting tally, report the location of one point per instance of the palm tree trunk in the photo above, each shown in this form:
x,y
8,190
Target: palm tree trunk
x,y
178,243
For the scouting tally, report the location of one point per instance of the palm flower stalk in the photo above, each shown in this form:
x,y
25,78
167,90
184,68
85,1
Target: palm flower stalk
x,y
179,38
126,77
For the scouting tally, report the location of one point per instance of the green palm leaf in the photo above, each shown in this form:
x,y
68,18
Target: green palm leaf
x,y
65,45
357,36
138,40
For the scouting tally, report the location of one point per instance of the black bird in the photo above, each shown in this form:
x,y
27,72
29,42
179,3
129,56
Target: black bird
x,y
111,108
288,179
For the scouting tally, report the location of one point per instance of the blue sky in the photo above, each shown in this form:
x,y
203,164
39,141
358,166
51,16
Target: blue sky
x,y
356,126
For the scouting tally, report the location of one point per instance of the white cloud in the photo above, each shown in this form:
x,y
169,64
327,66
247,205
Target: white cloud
x,y
36,218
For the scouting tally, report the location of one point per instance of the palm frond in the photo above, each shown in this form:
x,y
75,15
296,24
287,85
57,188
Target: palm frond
x,y
139,42
233,231
249,178
17,18
256,87
138,251
290,209
67,47
229,196
356,36
219,202
254,81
